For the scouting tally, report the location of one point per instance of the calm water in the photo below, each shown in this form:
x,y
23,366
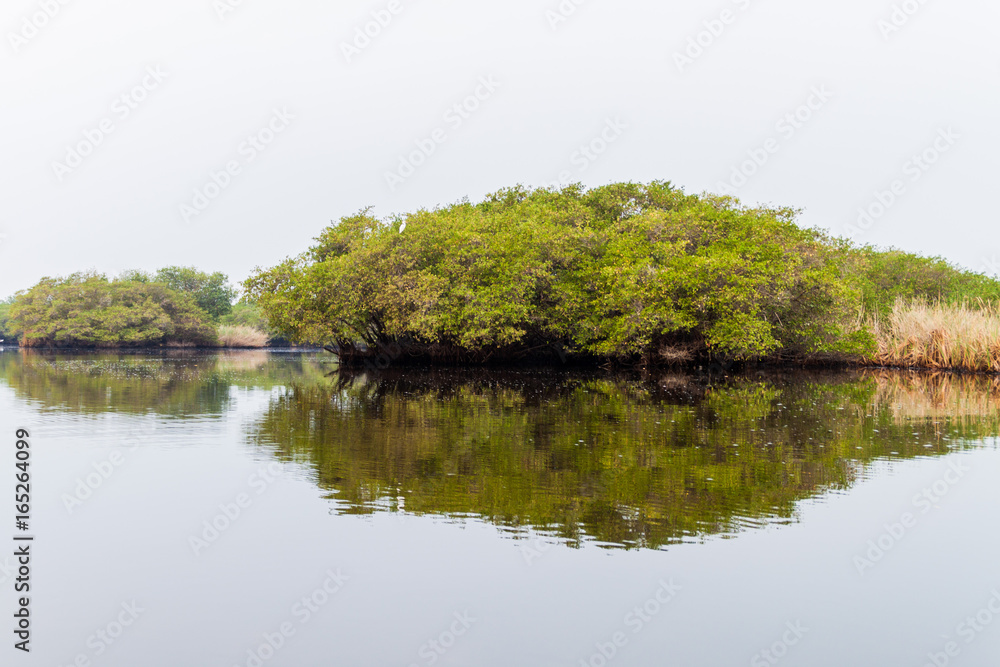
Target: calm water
x,y
265,509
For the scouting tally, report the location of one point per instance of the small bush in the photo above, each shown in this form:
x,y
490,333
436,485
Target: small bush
x,y
88,310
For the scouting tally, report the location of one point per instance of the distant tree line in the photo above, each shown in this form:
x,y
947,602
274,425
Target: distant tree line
x,y
173,306
638,273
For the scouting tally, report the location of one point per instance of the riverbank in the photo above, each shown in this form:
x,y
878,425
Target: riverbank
x,y
915,335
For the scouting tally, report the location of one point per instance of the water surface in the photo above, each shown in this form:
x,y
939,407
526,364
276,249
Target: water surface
x,y
495,518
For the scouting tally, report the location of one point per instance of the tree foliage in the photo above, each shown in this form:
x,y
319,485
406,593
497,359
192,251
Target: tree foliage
x,y
622,271
87,309
212,292
617,271
887,275
7,333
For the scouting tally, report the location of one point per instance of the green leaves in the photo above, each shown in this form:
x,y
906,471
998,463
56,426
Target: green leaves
x,y
89,310
211,292
625,270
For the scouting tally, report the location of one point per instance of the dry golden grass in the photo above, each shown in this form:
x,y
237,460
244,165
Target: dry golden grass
x,y
934,335
240,336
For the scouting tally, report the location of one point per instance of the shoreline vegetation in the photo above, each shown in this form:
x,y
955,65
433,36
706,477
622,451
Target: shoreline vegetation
x,y
630,274
625,274
176,307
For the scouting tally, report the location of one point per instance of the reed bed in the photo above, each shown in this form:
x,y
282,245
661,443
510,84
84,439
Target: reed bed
x,y
918,334
241,337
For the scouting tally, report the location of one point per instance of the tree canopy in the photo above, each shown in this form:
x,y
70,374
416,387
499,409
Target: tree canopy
x,y
88,309
212,292
7,333
619,271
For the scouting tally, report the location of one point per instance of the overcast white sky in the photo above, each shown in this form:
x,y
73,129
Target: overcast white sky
x,y
610,68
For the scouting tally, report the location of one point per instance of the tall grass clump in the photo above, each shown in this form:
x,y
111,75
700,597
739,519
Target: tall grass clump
x,y
923,334
241,336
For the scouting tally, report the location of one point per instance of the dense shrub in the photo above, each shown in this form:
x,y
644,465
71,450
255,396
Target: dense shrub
x,y
619,271
886,276
86,309
7,334
211,291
